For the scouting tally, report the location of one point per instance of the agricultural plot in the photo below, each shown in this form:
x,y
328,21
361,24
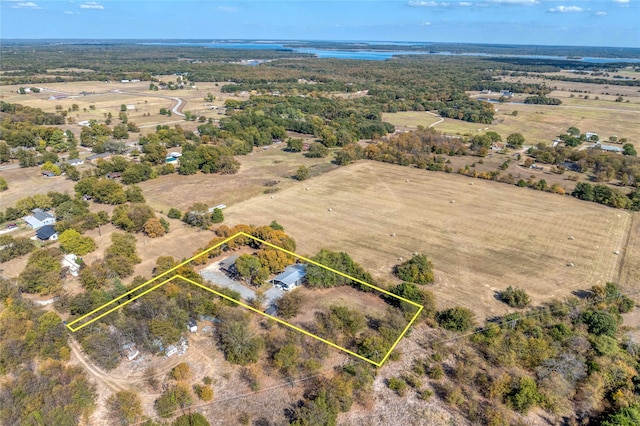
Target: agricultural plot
x,y
482,236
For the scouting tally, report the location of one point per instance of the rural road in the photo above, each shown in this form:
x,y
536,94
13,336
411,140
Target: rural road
x,y
175,109
437,122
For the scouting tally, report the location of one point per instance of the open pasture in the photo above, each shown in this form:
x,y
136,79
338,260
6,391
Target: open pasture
x,y
491,236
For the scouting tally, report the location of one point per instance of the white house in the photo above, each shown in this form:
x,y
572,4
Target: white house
x,y
291,277
69,261
39,218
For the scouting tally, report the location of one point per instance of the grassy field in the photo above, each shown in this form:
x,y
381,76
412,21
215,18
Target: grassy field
x,y
256,169
492,236
543,123
410,120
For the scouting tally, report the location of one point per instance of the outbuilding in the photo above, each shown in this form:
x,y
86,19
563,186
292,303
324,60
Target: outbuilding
x,y
291,277
47,233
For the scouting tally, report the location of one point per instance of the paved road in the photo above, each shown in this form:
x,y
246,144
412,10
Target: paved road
x,y
213,274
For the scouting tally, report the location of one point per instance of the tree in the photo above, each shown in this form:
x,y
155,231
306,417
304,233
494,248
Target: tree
x,y
3,184
174,213
275,225
238,343
198,215
600,323
121,131
134,194
153,228
524,395
515,140
204,392
417,270
416,294
302,173
629,149
192,419
626,416
455,319
294,145
181,372
173,398
124,407
217,216
251,269
42,273
289,305
514,297
71,241
51,168
123,108
317,150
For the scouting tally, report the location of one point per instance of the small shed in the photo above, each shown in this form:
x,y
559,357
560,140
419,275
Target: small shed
x,y
291,277
271,310
170,351
192,326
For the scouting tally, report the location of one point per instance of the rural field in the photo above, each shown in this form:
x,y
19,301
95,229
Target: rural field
x,y
506,236
256,169
540,123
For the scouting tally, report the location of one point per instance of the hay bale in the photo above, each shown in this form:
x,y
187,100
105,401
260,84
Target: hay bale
x,y
393,234
330,209
452,201
570,264
571,237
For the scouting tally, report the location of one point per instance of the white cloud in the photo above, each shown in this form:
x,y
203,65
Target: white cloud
x,y
566,9
600,13
422,3
26,5
91,5
621,1
229,9
425,24
465,3
521,2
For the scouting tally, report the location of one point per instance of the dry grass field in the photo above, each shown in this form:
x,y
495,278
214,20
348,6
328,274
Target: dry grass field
x,y
29,181
261,166
492,236
543,123
409,120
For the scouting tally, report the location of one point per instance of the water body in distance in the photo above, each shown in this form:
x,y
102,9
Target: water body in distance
x,y
369,51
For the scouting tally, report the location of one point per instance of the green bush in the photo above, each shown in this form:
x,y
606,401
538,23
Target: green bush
x,y
455,319
398,385
514,297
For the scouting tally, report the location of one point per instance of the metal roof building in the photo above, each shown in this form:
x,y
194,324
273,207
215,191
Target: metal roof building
x,y
291,277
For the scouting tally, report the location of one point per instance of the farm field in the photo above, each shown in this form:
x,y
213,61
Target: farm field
x,y
506,236
410,120
543,123
257,168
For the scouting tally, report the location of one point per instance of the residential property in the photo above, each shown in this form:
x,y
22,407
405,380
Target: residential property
x,y
96,157
609,148
69,261
74,162
291,277
592,136
47,233
48,173
39,218
228,265
114,175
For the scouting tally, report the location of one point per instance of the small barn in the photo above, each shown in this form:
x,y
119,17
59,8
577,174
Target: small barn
x,y
228,265
291,277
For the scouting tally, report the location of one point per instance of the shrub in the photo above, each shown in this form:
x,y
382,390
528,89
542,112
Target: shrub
x,y
398,385
417,270
514,297
455,319
174,213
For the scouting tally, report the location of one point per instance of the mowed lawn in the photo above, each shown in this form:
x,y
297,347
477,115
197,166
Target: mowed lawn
x,y
482,236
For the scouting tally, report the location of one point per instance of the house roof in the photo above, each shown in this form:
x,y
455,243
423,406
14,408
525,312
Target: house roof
x,y
291,274
32,221
225,264
41,215
45,232
96,156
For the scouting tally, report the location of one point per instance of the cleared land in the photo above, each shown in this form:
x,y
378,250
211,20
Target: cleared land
x,y
494,235
256,169
410,120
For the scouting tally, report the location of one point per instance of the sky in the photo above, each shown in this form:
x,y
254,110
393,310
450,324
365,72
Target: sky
x,y
613,23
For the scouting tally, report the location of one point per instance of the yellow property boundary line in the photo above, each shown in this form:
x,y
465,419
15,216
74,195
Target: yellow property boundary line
x,y
82,324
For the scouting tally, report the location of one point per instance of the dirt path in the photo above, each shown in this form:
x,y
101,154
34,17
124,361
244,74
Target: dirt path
x,y
175,109
440,119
